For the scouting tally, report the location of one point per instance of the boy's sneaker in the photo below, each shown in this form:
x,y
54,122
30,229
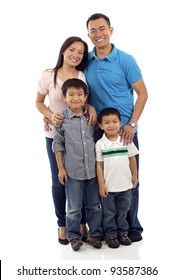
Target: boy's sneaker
x,y
76,243
94,241
124,240
112,243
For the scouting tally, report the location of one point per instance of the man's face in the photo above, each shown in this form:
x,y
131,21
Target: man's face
x,y
99,32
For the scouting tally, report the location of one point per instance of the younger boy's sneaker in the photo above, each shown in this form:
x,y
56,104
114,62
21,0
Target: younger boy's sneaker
x,y
94,241
112,243
124,240
76,243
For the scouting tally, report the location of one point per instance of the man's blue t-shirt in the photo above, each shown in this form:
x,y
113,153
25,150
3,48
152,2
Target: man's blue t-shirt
x,y
110,81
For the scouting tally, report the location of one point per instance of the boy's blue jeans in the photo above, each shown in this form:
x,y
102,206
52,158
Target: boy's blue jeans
x,y
58,190
115,208
76,190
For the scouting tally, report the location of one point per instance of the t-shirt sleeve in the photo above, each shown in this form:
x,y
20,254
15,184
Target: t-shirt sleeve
x,y
99,156
132,150
132,70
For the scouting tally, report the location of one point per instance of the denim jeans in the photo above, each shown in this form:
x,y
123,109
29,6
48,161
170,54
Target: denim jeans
x,y
76,190
58,190
115,208
132,216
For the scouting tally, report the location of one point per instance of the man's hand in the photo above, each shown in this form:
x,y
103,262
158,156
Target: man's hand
x,y
92,118
127,134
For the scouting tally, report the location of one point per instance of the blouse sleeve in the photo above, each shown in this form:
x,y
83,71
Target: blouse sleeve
x,y
43,85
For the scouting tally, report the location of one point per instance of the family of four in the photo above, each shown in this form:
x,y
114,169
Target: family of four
x,y
91,138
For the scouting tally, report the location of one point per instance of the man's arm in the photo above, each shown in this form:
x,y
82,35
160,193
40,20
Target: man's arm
x,y
127,131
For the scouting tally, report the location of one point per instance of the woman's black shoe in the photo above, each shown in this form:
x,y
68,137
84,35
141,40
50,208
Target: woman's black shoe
x,y
62,241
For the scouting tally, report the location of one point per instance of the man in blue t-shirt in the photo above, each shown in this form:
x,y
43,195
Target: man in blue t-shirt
x,y
113,76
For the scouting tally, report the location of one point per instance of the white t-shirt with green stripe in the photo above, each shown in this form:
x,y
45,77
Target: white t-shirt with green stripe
x,y
117,173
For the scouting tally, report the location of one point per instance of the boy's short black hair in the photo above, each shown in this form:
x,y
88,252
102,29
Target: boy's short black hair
x,y
109,111
76,83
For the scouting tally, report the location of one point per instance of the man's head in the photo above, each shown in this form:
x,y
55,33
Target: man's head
x,y
99,30
98,16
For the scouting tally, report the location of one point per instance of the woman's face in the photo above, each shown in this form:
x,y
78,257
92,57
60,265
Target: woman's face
x,y
74,54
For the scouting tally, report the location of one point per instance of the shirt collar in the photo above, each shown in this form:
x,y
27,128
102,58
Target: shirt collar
x,y
71,114
111,57
108,142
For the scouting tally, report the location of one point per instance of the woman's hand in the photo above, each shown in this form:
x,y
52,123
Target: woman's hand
x,y
47,123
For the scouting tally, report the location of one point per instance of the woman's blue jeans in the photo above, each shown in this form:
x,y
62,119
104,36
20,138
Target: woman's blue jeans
x,y
58,190
76,190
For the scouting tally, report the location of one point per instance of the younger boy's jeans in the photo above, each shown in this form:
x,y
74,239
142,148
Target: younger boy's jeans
x,y
115,208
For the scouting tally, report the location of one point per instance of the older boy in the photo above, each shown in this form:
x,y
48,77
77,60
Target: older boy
x,y
75,154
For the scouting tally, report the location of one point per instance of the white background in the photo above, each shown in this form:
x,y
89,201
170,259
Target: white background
x,y
31,35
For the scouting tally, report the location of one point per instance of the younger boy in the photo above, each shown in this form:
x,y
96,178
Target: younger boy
x,y
75,154
117,174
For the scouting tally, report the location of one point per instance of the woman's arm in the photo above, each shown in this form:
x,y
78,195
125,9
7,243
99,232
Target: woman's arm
x,y
53,117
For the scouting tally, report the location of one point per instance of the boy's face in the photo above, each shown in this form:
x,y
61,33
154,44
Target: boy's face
x,y
75,98
111,125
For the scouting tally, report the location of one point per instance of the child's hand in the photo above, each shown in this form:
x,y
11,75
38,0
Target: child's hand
x,y
103,190
57,118
62,176
134,180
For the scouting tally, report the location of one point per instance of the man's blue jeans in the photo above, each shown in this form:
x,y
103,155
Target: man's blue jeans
x,y
132,216
76,190
115,208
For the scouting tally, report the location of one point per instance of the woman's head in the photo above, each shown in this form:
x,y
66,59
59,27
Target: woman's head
x,y
73,45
